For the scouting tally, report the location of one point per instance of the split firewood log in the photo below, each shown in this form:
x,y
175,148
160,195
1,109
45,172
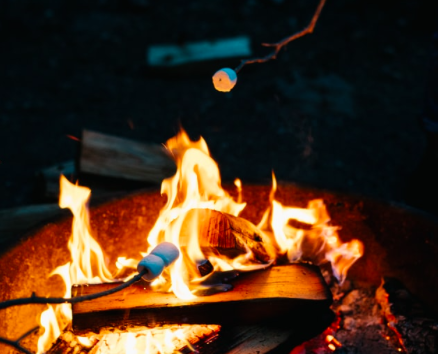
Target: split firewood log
x,y
225,234
111,156
116,341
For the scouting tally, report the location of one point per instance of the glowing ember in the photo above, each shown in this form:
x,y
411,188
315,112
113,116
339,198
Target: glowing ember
x,y
196,186
333,343
383,298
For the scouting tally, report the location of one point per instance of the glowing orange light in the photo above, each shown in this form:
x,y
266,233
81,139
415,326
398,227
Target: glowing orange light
x,y
332,347
73,137
195,186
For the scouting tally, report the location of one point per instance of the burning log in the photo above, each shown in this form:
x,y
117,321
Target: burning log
x,y
68,343
118,342
112,156
256,296
225,234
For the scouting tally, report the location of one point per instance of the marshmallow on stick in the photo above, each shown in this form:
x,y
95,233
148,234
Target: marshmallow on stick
x,y
159,258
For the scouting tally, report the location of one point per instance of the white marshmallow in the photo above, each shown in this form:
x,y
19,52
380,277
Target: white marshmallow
x,y
167,251
224,79
154,266
160,257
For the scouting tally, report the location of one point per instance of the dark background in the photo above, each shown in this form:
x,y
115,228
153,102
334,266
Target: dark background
x,y
337,110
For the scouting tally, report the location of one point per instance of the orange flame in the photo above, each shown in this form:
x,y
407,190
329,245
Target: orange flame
x,y
87,264
196,185
318,243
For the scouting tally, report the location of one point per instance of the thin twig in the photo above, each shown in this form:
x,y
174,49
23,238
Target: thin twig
x,y
60,300
277,46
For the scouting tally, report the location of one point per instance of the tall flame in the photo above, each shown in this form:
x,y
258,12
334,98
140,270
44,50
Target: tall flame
x,y
196,185
86,266
318,243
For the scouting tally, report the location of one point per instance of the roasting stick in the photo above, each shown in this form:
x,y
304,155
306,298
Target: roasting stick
x,y
55,300
226,78
149,268
33,299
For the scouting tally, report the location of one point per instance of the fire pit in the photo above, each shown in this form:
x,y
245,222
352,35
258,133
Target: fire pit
x,y
399,243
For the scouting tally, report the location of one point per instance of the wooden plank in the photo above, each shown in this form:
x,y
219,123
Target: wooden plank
x,y
256,296
170,55
112,156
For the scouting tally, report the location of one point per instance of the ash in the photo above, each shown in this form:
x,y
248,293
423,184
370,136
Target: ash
x,y
362,328
370,319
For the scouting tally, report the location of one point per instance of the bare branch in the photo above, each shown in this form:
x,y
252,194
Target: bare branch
x,y
277,46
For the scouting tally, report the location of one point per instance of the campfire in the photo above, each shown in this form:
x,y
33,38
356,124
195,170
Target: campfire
x,y
212,272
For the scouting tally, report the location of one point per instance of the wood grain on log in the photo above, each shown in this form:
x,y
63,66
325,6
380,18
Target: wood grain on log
x,y
256,296
225,234
112,156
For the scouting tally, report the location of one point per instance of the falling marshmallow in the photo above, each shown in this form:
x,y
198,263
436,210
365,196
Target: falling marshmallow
x,y
224,79
159,258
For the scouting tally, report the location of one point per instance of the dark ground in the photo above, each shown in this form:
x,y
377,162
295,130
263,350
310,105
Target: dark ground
x,y
337,110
